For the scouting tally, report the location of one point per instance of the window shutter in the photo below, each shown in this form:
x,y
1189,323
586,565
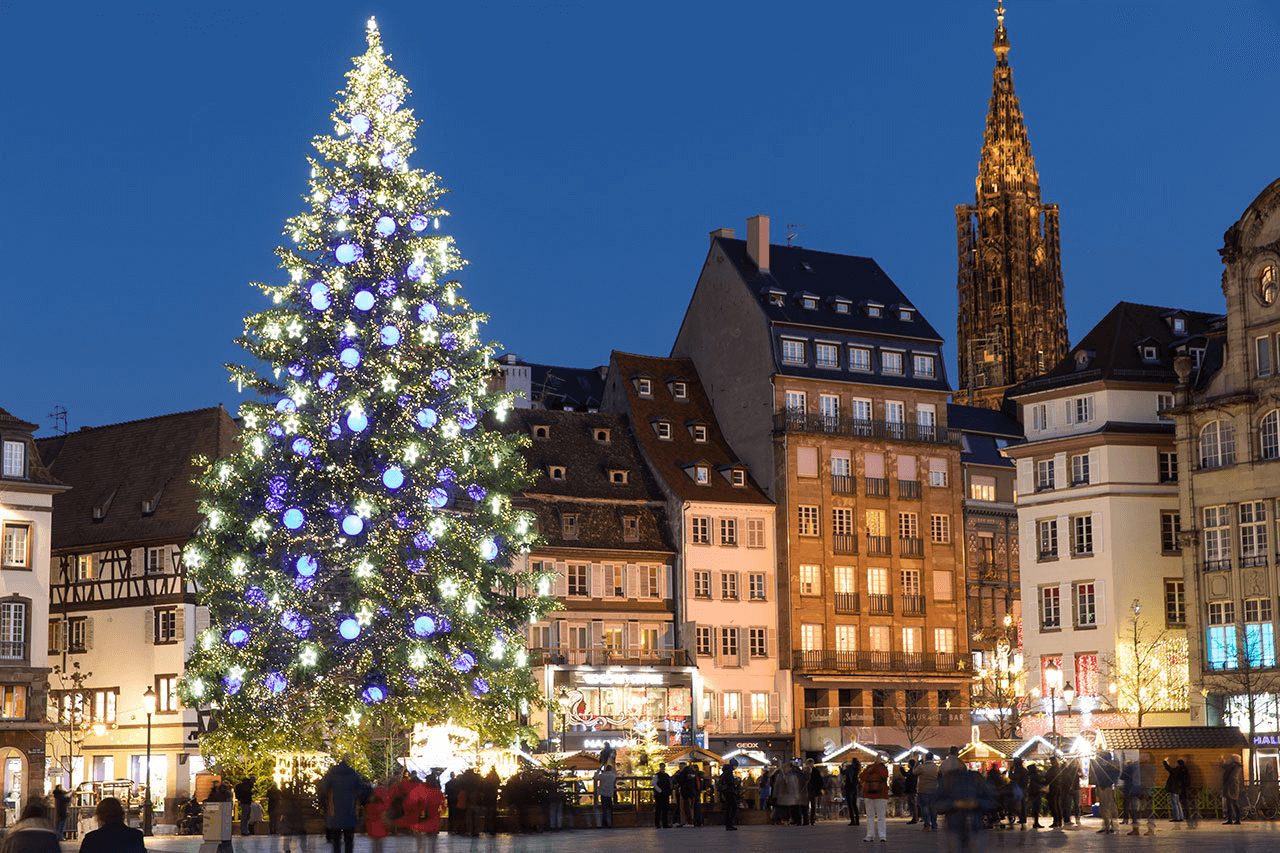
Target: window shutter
x,y
906,467
667,575
775,708
597,634
562,580
633,581
744,653
1069,414
148,626
712,700
873,465
1096,524
561,634
202,620
597,581
88,633
55,636
1100,602
606,573
633,635
180,624
692,640
771,643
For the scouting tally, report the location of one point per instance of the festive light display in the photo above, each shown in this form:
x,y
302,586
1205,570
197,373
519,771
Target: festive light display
x,y
359,546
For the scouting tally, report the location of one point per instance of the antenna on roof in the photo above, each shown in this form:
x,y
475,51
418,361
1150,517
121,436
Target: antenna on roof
x,y
792,234
59,416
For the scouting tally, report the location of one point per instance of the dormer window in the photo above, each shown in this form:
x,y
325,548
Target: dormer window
x,y
873,309
809,303
630,528
792,351
644,387
15,459
701,475
680,390
1150,353
778,299
618,476
663,429
738,477
774,296
556,472
906,315
569,526
148,508
891,362
842,307
1179,325
1197,356
699,433
602,436
1083,357
540,432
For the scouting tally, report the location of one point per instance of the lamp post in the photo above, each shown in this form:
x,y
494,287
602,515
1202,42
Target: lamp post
x,y
1053,678
148,705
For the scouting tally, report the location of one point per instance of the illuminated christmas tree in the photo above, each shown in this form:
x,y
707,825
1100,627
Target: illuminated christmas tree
x,y
358,550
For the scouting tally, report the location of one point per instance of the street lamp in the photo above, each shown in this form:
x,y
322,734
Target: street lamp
x,y
148,705
1053,679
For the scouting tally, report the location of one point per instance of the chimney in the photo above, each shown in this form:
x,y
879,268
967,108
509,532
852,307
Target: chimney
x,y
726,233
758,241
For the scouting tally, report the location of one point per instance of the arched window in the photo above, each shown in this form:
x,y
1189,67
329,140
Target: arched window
x,y
1269,435
1267,285
1217,444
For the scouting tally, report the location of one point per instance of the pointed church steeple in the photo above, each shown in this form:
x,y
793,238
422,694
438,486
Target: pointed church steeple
x,y
1012,320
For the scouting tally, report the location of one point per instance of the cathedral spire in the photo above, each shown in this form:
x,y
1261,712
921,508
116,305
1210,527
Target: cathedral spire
x,y
1012,323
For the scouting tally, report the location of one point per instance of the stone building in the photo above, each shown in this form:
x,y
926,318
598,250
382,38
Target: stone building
x,y
609,660
545,386
1013,320
1097,486
724,530
1228,421
27,493
828,382
120,602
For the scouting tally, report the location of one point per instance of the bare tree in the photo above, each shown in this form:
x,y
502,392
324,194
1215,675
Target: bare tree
x,y
1149,669
998,691
1249,680
913,717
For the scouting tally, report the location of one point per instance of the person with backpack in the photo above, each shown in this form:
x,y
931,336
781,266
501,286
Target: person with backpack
x,y
849,776
875,793
729,790
661,798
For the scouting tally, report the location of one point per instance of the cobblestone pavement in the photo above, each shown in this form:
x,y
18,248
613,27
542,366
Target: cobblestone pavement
x,y
826,837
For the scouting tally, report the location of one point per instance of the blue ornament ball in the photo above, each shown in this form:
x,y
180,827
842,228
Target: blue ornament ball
x,y
476,492
402,520
427,418
373,693
449,341
446,475
387,287
255,596
390,160
352,525
348,253
350,358
232,684
273,504
465,662
443,625
424,541
320,296
479,687
278,485
349,628
428,312
328,381
293,518
339,203
307,565
357,421
418,222
441,378
424,625
238,637
363,300
488,549
415,271
385,226
467,420
437,498
416,564
275,682
305,584
275,430
389,335
295,370
393,478
360,124
388,102
335,431
302,446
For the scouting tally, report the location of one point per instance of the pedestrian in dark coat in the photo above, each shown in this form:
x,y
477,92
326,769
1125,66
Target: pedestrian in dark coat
x,y
729,790
849,776
274,807
60,803
112,836
911,789
816,783
1035,792
1176,785
32,833
340,792
244,799
662,798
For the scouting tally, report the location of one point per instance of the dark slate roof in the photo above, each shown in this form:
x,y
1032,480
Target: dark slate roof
x,y
671,458
127,464
1112,347
972,419
575,389
1175,737
797,270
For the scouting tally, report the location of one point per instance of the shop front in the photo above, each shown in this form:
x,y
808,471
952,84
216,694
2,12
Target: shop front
x,y
590,708
780,747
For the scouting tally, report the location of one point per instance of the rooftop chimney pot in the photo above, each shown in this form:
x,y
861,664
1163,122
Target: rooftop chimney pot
x,y
758,241
726,233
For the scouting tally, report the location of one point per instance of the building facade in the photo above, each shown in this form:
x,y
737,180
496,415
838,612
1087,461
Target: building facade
x,y
829,384
544,386
1013,319
27,492
1228,419
723,527
121,606
1097,483
609,660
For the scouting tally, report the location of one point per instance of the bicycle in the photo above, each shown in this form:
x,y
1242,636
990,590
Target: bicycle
x,y
1258,802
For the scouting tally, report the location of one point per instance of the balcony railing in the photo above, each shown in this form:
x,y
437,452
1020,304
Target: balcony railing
x,y
879,605
910,546
887,716
1223,565
909,490
1253,560
876,487
844,484
844,543
877,546
796,421
1048,555
913,605
10,650
828,660
610,657
847,602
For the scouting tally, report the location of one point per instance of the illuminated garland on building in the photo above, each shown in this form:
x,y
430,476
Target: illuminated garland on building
x,y
358,547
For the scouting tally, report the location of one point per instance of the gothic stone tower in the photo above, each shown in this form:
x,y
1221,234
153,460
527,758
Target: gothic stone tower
x,y
1012,323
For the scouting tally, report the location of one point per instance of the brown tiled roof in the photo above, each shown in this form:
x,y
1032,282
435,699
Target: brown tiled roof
x,y
672,458
1175,737
126,464
37,471
600,525
8,421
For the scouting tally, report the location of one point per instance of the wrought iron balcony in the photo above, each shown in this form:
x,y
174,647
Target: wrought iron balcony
x,y
909,490
913,605
844,484
847,602
844,543
910,546
877,546
1253,560
879,604
796,421
610,657
827,660
876,487
1222,565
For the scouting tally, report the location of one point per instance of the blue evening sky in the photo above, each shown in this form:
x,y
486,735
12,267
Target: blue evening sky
x,y
153,153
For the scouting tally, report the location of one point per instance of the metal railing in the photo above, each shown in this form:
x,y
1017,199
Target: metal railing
x,y
844,484
844,543
877,546
876,487
938,662
913,605
847,602
1253,560
910,546
614,657
797,421
858,716
909,490
878,603
10,650
1223,565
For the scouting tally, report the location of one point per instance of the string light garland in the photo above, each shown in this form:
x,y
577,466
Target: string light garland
x,y
359,548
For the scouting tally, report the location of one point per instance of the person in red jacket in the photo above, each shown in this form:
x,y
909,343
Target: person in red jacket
x,y
875,794
422,804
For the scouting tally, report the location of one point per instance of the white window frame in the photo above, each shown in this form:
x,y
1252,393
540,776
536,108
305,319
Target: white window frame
x,y
860,359
810,576
923,366
891,362
826,355
15,459
807,523
16,537
793,351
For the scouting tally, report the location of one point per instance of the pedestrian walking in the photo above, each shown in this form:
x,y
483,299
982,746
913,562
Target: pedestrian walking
x,y
33,832
1104,773
606,788
61,800
340,792
383,807
729,790
815,785
852,788
244,799
662,798
274,805
910,790
875,793
1018,781
112,836
1232,788
1177,784
422,804
293,822
766,793
1035,792
926,775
